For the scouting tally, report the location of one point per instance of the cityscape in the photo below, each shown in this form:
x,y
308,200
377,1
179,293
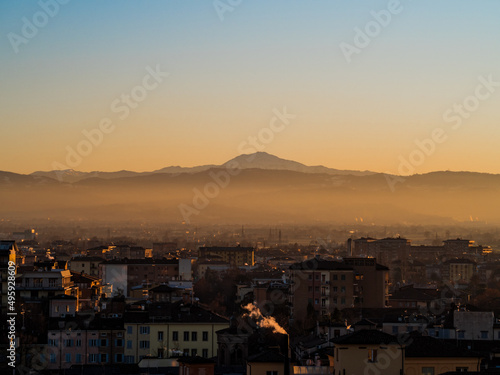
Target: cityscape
x,y
249,188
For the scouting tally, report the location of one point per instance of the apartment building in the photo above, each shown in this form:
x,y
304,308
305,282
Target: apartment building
x,y
236,256
165,330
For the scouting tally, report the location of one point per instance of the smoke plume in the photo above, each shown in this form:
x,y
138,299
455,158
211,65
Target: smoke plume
x,y
261,320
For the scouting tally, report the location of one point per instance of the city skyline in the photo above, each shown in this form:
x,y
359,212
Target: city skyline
x,y
368,85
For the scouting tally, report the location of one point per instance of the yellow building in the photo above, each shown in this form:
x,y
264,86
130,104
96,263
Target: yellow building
x,y
166,330
266,363
368,351
425,355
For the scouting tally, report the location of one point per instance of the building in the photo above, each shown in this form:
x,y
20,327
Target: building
x,y
266,363
196,366
426,355
83,340
368,352
164,330
236,256
458,270
125,274
474,325
41,283
409,296
385,250
89,290
89,265
324,285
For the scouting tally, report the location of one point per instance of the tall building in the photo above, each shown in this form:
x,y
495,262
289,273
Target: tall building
x,y
325,285
236,256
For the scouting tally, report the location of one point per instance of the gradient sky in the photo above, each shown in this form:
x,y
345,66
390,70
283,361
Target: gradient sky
x,y
226,77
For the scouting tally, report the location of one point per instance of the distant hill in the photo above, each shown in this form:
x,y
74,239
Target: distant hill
x,y
265,190
258,160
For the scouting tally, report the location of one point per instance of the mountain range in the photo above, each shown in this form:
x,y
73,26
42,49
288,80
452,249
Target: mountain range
x,y
258,160
263,189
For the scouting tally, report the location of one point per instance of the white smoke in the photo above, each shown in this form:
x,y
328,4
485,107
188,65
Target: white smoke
x,y
261,320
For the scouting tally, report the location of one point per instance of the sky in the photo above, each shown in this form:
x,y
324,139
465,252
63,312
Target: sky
x,y
389,86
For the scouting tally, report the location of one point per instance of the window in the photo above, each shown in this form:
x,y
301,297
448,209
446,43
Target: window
x,y
129,330
129,344
194,336
160,353
342,277
93,358
316,289
484,334
119,343
78,342
342,301
335,277
129,359
118,358
175,336
67,308
372,355
104,342
310,277
204,353
144,330
342,289
323,302
323,278
67,358
52,342
104,358
186,336
205,336
144,344
461,334
317,276
316,301
78,358
335,289
52,358
310,289
186,352
160,335
57,309
427,370
194,352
